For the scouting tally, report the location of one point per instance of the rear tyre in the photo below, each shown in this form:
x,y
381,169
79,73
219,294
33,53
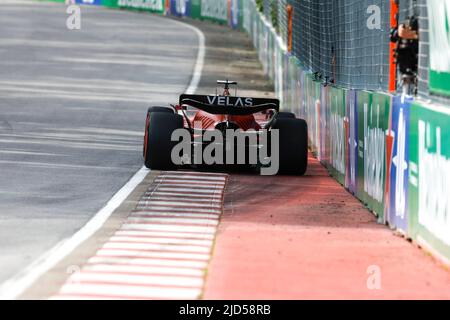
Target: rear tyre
x,y
160,109
293,144
149,111
286,115
158,145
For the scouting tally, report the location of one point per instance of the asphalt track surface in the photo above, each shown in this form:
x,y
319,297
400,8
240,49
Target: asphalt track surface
x,y
72,111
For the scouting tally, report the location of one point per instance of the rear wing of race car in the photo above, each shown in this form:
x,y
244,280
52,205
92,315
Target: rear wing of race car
x,y
239,106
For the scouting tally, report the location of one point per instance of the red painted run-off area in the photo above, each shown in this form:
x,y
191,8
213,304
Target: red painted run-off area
x,y
307,238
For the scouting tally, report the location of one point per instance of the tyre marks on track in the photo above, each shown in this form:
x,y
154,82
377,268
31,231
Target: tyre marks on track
x,y
162,249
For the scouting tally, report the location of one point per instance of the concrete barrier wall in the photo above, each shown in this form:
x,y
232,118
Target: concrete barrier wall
x,y
391,152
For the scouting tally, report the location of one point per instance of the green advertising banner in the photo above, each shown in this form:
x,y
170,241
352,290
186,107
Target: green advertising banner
x,y
337,133
195,11
241,14
110,3
157,6
439,25
373,121
429,177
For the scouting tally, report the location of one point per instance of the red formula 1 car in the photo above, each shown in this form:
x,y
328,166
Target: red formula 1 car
x,y
225,130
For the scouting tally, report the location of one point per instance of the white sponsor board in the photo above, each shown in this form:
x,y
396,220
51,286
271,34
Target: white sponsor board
x,y
154,5
433,182
337,142
439,15
374,146
215,9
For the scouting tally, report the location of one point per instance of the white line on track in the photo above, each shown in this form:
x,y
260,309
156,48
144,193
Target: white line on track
x,y
180,264
149,214
217,197
157,247
170,235
150,206
177,209
17,285
198,178
152,254
187,191
162,227
134,269
179,204
161,280
201,174
197,187
161,240
132,292
173,220
180,214
166,198
187,182
70,297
